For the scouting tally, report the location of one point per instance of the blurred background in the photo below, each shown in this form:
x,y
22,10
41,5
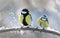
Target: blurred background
x,y
11,9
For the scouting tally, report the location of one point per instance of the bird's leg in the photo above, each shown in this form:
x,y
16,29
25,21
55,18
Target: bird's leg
x,y
40,31
41,26
35,29
20,28
43,29
28,27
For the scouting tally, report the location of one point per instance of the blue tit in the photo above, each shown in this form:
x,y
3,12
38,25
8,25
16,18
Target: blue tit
x,y
25,18
43,21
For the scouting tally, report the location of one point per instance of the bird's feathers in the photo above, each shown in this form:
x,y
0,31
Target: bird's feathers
x,y
28,19
43,23
21,18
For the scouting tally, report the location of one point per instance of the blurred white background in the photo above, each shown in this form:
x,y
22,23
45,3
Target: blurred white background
x,y
10,10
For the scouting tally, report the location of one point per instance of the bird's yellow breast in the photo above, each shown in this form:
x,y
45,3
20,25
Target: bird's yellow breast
x,y
21,18
28,19
43,23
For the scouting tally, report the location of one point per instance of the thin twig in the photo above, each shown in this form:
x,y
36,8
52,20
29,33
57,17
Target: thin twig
x,y
17,29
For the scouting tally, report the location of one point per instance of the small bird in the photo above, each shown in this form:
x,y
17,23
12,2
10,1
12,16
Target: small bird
x,y
25,18
43,21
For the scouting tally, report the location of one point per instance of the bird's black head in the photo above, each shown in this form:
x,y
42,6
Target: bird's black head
x,y
25,11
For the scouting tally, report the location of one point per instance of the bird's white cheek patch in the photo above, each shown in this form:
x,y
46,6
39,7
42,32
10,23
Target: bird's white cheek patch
x,y
24,12
43,19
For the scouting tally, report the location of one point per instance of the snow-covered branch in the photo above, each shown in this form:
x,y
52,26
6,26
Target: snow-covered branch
x,y
52,31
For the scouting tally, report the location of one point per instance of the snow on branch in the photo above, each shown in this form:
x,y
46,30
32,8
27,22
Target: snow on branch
x,y
52,31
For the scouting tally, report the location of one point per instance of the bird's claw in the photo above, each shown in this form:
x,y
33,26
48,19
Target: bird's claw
x,y
35,29
27,27
21,27
43,29
40,31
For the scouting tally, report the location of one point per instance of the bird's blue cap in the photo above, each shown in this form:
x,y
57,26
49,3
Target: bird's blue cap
x,y
44,15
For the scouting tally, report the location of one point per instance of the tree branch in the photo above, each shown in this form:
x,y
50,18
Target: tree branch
x,y
17,29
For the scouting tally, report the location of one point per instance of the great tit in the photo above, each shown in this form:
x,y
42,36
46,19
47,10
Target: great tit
x,y
25,18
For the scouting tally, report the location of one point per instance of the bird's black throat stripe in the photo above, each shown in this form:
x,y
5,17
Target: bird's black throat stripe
x,y
24,20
